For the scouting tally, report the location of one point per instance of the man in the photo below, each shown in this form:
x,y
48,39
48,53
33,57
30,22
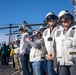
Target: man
x,y
4,53
51,21
17,55
24,53
65,44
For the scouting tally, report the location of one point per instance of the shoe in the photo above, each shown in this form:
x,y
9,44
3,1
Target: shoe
x,y
16,69
21,73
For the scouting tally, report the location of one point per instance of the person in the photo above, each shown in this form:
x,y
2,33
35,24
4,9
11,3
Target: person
x,y
47,46
0,49
17,55
41,29
65,44
0,55
36,56
11,46
24,52
8,55
4,54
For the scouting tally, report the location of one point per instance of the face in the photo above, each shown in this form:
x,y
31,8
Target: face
x,y
41,31
36,37
66,22
52,22
21,32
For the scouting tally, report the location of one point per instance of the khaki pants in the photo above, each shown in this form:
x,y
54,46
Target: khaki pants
x,y
17,63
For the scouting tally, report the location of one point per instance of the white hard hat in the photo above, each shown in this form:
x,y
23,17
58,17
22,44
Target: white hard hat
x,y
35,33
50,13
63,12
49,16
42,27
22,28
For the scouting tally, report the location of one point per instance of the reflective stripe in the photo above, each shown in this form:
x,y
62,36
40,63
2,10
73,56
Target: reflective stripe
x,y
72,53
72,32
58,33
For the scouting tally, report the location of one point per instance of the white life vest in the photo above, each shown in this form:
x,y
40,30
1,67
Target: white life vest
x,y
23,45
17,50
48,38
66,45
36,55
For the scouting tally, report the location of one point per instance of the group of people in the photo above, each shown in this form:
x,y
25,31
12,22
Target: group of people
x,y
49,51
53,49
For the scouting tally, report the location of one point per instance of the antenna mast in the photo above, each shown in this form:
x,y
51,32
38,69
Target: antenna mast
x,y
74,11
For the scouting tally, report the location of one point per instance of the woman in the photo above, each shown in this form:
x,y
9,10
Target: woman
x,y
65,44
36,55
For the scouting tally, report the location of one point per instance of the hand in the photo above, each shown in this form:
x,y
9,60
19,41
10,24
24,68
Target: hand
x,y
27,39
55,69
23,53
49,56
52,55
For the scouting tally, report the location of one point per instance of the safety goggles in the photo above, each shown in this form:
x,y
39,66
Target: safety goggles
x,y
51,17
65,18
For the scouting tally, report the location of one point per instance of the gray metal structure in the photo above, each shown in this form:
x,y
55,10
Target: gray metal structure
x,y
74,11
16,26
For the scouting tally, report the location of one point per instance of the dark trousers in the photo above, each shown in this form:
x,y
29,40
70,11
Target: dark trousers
x,y
24,62
3,60
7,59
73,70
67,70
64,70
50,68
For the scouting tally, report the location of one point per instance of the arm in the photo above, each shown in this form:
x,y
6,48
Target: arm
x,y
23,45
43,48
33,44
36,44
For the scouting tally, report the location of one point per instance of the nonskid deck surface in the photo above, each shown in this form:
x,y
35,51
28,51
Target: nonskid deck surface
x,y
9,71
